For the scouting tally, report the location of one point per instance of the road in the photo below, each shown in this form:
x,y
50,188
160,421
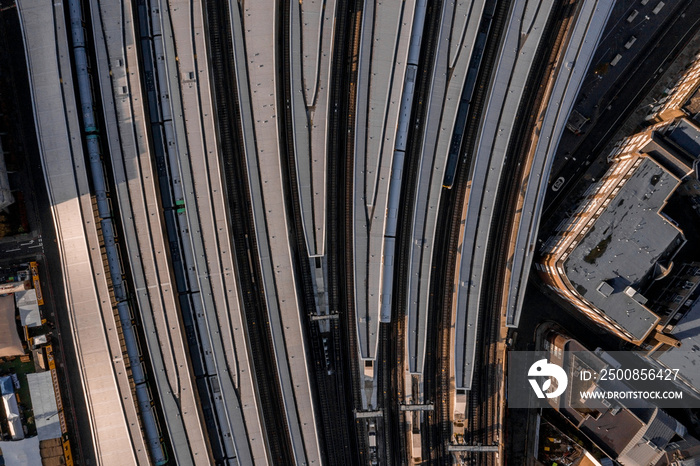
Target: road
x,y
20,250
624,96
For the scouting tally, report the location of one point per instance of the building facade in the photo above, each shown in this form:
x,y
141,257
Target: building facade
x,y
608,252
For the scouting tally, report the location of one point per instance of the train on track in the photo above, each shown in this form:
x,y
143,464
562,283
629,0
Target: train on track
x,y
149,422
467,93
166,149
398,160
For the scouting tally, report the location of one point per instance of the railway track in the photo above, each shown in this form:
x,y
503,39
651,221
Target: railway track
x,y
340,159
393,336
169,181
484,397
437,385
229,132
386,399
334,424
127,312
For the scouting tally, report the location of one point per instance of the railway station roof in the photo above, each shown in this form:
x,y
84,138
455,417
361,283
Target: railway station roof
x,y
623,247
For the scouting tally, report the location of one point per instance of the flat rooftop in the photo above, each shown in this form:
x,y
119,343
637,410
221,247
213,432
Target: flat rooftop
x,y
687,357
685,135
623,247
612,433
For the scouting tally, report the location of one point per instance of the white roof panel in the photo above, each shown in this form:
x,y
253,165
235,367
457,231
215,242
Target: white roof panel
x,y
22,452
14,422
28,308
44,405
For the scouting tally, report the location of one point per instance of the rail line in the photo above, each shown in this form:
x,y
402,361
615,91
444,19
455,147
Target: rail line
x,y
387,400
484,397
334,424
437,381
340,160
57,111
173,178
393,338
127,314
476,415
229,132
